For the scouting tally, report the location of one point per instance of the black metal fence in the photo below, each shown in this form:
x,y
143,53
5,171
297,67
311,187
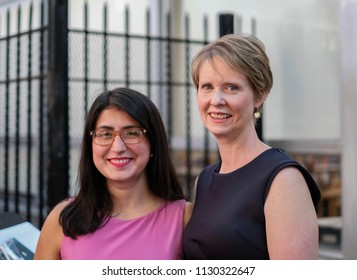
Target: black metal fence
x,y
48,79
23,91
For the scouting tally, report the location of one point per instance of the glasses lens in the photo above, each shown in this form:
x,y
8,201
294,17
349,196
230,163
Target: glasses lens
x,y
132,135
103,137
128,136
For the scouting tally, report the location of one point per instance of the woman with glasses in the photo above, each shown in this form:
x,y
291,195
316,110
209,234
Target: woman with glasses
x,y
130,204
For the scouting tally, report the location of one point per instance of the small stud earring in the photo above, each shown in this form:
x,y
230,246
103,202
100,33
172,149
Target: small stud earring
x,y
257,115
151,155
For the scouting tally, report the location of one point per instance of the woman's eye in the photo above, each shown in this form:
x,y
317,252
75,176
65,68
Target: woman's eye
x,y
106,134
206,86
133,133
232,87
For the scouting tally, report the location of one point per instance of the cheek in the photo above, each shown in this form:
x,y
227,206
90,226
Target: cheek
x,y
201,102
97,153
143,149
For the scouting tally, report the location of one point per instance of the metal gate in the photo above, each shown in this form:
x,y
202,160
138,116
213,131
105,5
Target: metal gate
x,y
49,75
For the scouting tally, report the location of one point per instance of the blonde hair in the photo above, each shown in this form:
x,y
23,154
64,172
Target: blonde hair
x,y
244,53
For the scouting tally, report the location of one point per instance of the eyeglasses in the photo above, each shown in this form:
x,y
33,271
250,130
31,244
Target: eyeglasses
x,y
105,137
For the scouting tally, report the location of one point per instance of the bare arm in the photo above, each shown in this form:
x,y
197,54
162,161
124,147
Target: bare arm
x,y
194,190
49,243
189,205
188,212
291,221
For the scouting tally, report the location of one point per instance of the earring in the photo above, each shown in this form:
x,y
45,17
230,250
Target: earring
x,y
257,114
151,155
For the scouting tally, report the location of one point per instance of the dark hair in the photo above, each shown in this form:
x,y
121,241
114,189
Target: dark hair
x,y
92,206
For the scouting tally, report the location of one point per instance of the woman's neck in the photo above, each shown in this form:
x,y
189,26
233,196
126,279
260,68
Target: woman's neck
x,y
237,153
133,203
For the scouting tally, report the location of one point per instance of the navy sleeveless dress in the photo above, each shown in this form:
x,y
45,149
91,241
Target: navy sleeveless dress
x,y
228,218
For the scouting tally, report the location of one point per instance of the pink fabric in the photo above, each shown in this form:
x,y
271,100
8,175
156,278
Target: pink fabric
x,y
156,236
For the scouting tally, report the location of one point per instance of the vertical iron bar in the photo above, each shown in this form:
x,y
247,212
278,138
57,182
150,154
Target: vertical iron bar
x,y
17,118
105,46
148,53
159,59
85,58
188,109
41,173
127,56
259,124
253,26
206,160
226,24
7,112
29,116
58,127
1,64
169,80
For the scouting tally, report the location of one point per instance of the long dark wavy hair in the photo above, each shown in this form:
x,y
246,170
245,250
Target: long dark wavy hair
x,y
92,205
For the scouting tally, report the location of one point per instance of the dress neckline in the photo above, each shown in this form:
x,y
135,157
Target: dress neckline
x,y
219,163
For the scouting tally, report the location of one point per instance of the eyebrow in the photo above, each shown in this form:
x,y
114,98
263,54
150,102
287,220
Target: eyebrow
x,y
235,83
111,128
205,84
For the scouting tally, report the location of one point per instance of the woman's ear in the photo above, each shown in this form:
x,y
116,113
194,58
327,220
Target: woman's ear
x,y
260,101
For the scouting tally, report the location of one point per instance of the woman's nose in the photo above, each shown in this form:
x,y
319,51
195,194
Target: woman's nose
x,y
118,145
217,98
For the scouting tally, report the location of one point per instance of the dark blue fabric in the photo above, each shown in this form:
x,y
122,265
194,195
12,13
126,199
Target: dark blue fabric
x,y
228,220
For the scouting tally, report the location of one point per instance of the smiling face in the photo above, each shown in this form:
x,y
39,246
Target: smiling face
x,y
225,99
119,162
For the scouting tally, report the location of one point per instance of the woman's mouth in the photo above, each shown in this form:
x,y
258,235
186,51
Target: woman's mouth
x,y
219,116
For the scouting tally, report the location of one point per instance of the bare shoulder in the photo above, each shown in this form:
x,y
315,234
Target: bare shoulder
x,y
289,179
289,185
60,206
49,243
291,221
53,216
188,212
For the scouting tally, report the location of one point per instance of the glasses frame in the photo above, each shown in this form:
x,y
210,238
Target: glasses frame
x,y
119,133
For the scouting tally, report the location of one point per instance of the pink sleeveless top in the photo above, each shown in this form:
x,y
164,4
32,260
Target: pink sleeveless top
x,y
155,236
